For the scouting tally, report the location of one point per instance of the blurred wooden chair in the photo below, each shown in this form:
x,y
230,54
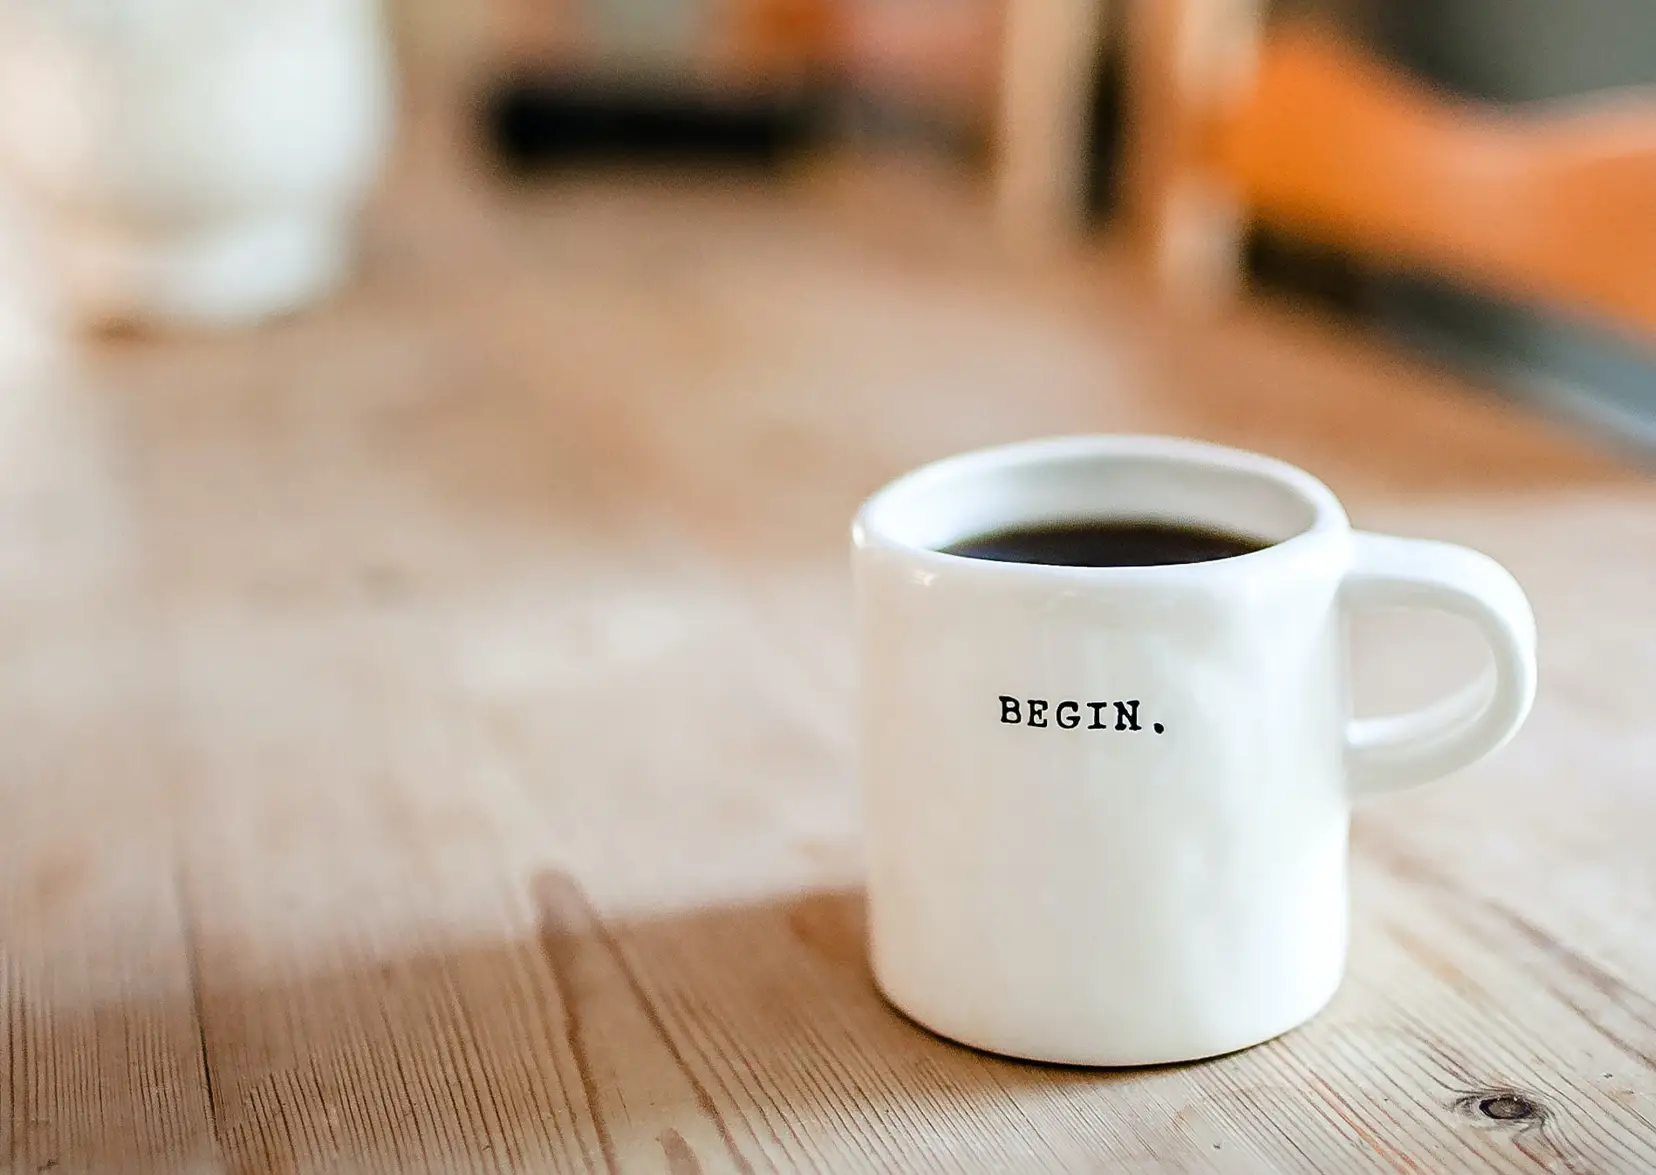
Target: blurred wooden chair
x,y
1298,130
1048,56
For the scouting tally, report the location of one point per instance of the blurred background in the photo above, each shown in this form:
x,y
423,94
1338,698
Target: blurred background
x,y
191,162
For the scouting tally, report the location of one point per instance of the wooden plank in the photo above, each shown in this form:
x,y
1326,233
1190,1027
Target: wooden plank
x,y
101,1065
372,997
102,1055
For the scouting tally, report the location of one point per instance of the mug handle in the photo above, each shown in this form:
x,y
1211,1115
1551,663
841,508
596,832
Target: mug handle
x,y
1383,754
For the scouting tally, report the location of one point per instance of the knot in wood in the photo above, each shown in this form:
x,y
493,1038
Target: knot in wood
x,y
1508,1107
1503,1105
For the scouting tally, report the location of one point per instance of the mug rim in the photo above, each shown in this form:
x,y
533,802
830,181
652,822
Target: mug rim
x,y
1328,517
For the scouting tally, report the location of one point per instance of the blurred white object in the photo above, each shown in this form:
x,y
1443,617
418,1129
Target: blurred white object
x,y
193,161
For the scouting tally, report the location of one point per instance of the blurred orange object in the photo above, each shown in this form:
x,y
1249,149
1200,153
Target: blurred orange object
x,y
1299,130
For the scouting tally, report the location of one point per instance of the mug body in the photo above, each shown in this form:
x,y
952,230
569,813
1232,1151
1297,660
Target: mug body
x,y
1106,809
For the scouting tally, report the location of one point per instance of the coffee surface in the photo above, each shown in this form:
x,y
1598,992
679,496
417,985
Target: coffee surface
x,y
1106,543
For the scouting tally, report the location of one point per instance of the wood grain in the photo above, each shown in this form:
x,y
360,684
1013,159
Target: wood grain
x,y
426,721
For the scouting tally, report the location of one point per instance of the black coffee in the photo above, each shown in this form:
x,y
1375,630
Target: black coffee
x,y
1106,543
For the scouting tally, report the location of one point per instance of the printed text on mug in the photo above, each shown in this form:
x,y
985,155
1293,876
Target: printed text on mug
x,y
1069,715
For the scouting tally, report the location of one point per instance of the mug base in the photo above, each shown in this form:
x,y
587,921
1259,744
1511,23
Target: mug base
x,y
1099,1056
218,274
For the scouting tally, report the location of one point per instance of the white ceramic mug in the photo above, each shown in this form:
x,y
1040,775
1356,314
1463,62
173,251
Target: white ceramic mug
x,y
1107,808
193,161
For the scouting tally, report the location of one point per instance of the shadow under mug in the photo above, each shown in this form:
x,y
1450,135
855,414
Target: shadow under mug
x,y
1108,807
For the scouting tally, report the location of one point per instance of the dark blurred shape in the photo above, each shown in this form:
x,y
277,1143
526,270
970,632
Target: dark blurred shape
x,y
1323,276
1107,131
540,121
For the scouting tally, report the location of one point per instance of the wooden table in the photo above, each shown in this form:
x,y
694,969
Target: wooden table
x,y
426,726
